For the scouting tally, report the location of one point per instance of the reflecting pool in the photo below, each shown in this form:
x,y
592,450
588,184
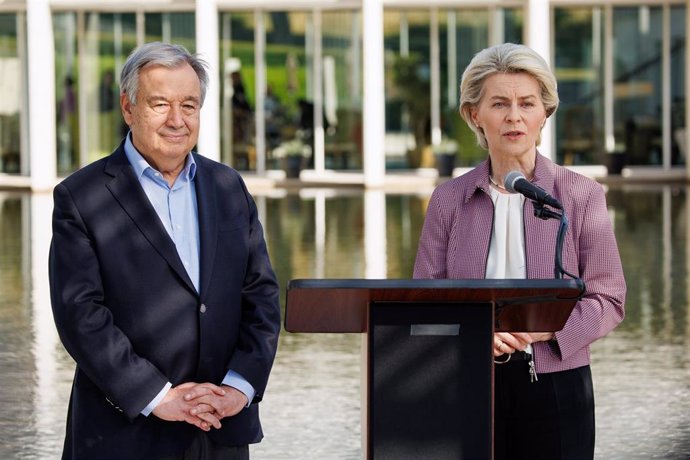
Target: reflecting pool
x,y
312,406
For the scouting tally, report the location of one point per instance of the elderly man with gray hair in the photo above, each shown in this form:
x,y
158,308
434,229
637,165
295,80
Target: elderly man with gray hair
x,y
161,285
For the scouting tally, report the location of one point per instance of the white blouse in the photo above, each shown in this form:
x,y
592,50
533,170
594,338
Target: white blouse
x,y
507,250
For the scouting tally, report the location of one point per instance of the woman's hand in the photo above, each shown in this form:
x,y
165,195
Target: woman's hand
x,y
510,342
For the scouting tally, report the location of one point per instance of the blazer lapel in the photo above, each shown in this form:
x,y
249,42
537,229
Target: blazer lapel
x,y
208,222
127,190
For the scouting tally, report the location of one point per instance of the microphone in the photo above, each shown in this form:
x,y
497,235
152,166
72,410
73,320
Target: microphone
x,y
515,182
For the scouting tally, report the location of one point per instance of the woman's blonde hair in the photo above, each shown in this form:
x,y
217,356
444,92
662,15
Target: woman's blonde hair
x,y
504,58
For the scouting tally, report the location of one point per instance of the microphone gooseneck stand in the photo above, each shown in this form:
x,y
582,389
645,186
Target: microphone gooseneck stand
x,y
544,213
515,182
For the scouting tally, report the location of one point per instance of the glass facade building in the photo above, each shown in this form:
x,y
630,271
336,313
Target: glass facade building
x,y
291,74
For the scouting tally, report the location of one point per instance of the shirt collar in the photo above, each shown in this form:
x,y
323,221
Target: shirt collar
x,y
140,164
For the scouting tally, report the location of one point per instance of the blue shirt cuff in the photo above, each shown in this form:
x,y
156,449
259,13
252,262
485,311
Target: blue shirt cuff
x,y
154,402
235,380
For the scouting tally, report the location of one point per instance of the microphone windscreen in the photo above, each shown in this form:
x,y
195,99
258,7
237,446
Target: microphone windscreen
x,y
510,179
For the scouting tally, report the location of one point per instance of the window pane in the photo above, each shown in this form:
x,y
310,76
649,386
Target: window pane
x,y
579,70
408,88
66,81
408,100
638,83
237,62
109,40
512,25
678,32
289,107
11,89
178,28
463,33
342,68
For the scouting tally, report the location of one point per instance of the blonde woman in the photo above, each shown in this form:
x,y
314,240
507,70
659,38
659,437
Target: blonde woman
x,y
475,228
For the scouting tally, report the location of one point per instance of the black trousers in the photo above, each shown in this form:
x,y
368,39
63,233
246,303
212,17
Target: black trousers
x,y
552,418
203,448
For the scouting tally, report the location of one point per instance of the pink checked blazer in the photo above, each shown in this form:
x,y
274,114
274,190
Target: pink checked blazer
x,y
457,230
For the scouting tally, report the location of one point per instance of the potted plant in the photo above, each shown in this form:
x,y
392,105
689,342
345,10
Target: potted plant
x,y
292,152
445,153
412,88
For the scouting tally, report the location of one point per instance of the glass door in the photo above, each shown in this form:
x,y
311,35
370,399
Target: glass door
x,y
237,62
679,147
579,67
463,33
12,76
301,98
288,99
109,40
417,115
66,81
342,89
408,88
638,83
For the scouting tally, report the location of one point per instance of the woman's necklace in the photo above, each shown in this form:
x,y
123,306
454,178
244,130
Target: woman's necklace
x,y
496,183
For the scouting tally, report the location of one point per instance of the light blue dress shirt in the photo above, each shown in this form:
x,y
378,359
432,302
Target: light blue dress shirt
x,y
176,207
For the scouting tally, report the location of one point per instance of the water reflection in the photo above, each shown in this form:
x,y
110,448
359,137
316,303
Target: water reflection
x,y
49,382
312,407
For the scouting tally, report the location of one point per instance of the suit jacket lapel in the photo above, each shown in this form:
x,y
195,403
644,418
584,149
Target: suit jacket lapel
x,y
128,192
208,221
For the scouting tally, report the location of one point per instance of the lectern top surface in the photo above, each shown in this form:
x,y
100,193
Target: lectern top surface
x,y
566,284
341,305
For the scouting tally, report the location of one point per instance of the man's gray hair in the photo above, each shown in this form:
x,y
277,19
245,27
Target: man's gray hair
x,y
159,54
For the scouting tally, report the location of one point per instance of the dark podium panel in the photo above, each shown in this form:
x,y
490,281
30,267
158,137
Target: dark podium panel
x,y
429,357
430,381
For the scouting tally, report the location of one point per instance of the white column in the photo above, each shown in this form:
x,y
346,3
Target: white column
x,y
318,99
609,136
41,90
22,52
666,131
355,64
207,46
452,59
89,140
404,35
435,79
496,26
50,384
538,37
260,90
373,113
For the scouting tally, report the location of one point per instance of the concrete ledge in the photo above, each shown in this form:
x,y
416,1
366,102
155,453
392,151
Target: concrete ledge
x,y
10,181
331,177
655,174
406,181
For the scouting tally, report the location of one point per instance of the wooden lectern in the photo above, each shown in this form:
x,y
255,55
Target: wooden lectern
x,y
428,354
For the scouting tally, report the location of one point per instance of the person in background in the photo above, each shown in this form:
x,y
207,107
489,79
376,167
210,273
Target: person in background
x,y
273,112
67,126
241,111
475,228
161,285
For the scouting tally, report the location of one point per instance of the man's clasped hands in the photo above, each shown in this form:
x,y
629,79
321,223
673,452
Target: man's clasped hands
x,y
200,404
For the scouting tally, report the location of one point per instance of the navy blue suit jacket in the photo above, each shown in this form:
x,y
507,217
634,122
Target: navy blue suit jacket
x,y
129,315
